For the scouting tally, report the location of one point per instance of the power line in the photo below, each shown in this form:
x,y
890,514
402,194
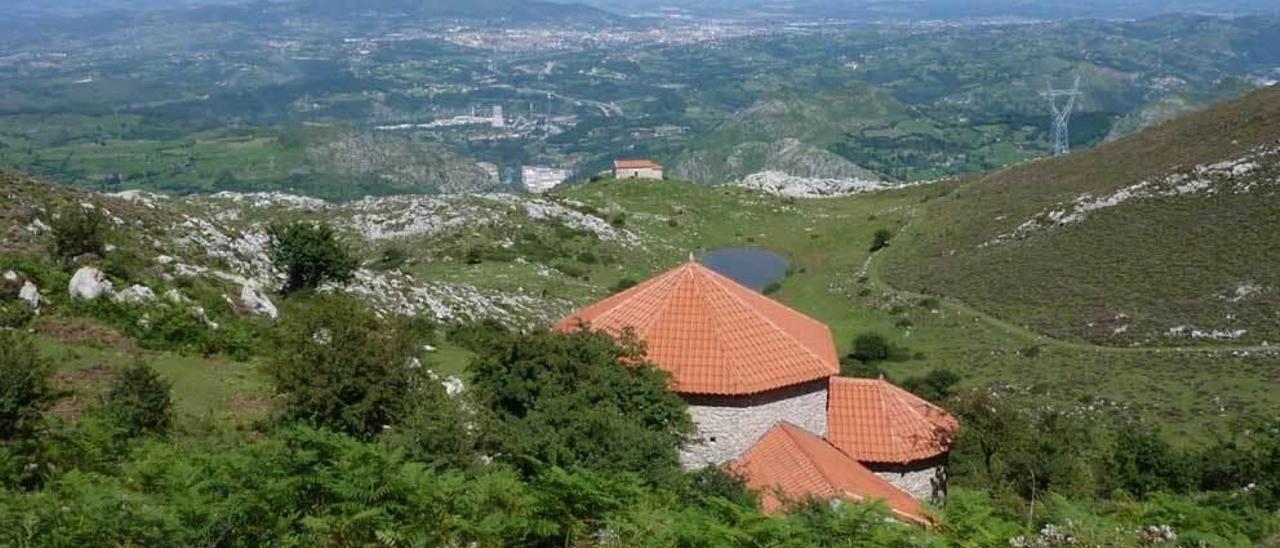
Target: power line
x,y
1061,114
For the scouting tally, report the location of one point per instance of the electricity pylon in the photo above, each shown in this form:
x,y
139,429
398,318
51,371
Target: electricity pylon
x,y
1061,114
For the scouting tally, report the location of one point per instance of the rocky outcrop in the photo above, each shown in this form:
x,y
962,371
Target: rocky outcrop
x,y
789,157
402,163
257,303
30,295
136,294
89,283
782,184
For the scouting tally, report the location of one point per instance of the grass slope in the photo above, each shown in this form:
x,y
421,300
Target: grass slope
x,y
836,279
1135,273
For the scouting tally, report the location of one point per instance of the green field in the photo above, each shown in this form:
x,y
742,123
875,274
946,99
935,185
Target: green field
x,y
1192,390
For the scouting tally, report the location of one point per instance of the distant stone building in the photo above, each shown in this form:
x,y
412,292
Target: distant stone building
x,y
637,168
747,366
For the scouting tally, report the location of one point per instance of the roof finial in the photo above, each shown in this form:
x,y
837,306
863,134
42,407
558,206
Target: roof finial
x,y
882,375
691,257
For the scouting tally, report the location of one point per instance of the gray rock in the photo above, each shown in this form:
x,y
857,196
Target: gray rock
x,y
176,297
10,276
257,303
136,294
453,385
30,294
89,283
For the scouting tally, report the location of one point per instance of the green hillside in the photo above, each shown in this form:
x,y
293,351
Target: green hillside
x,y
1167,237
857,130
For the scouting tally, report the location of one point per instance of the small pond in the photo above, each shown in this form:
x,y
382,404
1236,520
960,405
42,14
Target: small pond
x,y
750,266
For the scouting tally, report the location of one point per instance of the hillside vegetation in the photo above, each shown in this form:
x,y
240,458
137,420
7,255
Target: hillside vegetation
x,y
1167,237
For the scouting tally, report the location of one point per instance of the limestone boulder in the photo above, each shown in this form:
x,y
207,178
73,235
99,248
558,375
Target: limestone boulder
x,y
89,283
136,294
257,302
30,295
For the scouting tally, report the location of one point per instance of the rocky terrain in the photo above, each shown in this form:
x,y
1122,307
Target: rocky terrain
x,y
401,164
221,240
1166,237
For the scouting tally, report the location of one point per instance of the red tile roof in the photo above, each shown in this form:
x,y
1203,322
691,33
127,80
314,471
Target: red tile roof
x,y
713,335
635,163
790,463
872,420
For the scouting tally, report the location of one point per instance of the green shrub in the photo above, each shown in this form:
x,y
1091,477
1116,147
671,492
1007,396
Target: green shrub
x,y
936,385
713,481
1142,463
310,255
339,366
859,369
437,429
77,231
880,239
772,288
24,386
139,401
580,400
392,257
570,269
874,347
623,285
14,314
124,264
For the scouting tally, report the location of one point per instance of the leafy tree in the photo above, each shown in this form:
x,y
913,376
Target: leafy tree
x,y
24,386
1143,463
880,239
438,429
311,254
874,347
936,385
713,481
581,399
870,347
139,401
339,366
77,231
850,367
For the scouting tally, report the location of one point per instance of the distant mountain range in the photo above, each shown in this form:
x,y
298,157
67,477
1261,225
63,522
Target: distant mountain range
x,y
506,10
511,10
874,10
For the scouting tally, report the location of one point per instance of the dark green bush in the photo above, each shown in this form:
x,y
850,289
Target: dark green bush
x,y
139,401
859,369
25,391
936,386
874,347
77,231
580,400
339,366
880,239
392,257
623,285
310,255
437,429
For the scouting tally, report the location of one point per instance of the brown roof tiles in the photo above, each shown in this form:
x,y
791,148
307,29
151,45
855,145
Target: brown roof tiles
x,y
874,421
791,463
713,335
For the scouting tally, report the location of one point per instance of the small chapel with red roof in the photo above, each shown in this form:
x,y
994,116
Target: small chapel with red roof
x,y
761,383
